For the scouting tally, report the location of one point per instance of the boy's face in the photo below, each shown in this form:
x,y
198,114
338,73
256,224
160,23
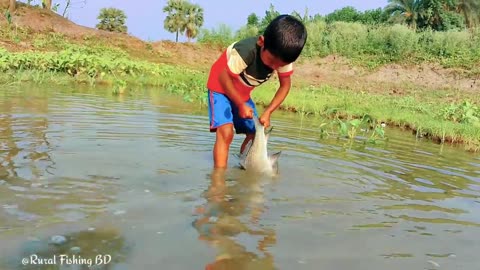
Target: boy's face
x,y
267,58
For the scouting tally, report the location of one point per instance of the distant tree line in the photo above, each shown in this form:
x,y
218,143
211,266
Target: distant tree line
x,y
438,15
186,18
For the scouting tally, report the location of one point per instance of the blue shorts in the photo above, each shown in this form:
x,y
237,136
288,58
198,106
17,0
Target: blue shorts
x,y
221,111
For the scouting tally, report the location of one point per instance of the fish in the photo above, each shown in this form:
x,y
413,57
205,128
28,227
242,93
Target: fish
x,y
255,157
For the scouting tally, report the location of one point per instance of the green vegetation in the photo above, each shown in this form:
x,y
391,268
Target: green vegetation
x,y
428,116
375,45
376,37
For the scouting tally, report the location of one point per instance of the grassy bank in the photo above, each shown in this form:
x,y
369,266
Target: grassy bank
x,y
56,60
430,117
375,45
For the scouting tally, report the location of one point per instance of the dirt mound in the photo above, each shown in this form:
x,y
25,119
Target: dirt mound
x,y
40,20
394,79
192,54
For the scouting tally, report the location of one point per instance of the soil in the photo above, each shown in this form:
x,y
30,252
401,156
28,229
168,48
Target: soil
x,y
333,70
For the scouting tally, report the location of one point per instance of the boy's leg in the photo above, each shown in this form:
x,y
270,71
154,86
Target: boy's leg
x,y
221,122
222,145
245,126
248,138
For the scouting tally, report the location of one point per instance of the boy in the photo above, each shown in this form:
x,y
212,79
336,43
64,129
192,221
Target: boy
x,y
243,66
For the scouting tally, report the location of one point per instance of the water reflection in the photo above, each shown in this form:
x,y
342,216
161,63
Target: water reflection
x,y
25,148
230,221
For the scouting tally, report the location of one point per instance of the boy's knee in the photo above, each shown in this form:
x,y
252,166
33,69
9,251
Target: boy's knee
x,y
225,134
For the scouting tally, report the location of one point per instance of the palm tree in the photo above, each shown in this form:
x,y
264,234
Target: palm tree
x,y
408,11
112,19
471,11
175,22
194,20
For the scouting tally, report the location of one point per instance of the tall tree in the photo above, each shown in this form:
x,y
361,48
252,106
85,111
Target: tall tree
x,y
183,17
193,20
175,21
252,20
408,11
270,14
471,11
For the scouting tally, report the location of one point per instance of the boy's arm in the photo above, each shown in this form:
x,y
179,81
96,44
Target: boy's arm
x,y
227,84
282,93
226,80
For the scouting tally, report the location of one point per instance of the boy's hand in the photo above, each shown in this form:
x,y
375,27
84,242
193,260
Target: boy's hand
x,y
245,111
265,119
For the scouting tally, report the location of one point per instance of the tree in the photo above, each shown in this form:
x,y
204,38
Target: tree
x,y
183,17
408,11
193,20
112,19
305,18
346,14
270,14
175,20
470,10
252,20
374,16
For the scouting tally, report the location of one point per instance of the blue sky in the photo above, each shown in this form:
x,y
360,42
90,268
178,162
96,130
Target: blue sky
x,y
145,18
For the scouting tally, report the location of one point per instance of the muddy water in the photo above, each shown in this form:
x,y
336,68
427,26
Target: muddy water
x,y
128,180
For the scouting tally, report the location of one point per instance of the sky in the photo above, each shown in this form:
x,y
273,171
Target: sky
x,y
145,18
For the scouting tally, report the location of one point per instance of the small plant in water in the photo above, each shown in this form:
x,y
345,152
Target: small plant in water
x,y
350,129
119,87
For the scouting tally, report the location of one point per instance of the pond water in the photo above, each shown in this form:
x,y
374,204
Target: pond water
x,y
85,173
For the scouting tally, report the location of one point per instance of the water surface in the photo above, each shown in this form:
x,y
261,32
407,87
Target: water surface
x,y
130,176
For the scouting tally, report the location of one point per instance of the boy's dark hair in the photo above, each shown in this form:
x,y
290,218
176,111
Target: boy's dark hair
x,y
285,38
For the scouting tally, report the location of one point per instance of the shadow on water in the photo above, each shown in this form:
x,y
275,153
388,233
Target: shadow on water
x,y
230,221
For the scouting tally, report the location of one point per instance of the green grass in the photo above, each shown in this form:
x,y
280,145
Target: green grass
x,y
431,117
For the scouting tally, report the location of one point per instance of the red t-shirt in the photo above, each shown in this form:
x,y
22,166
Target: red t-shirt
x,y
243,63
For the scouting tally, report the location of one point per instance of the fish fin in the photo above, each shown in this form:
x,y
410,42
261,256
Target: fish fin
x,y
242,164
274,161
267,133
246,149
274,158
268,130
243,155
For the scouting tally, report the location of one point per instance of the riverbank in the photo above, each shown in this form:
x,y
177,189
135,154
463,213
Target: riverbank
x,y
431,101
427,116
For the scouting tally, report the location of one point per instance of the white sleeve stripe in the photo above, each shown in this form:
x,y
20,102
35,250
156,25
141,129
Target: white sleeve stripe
x,y
235,62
